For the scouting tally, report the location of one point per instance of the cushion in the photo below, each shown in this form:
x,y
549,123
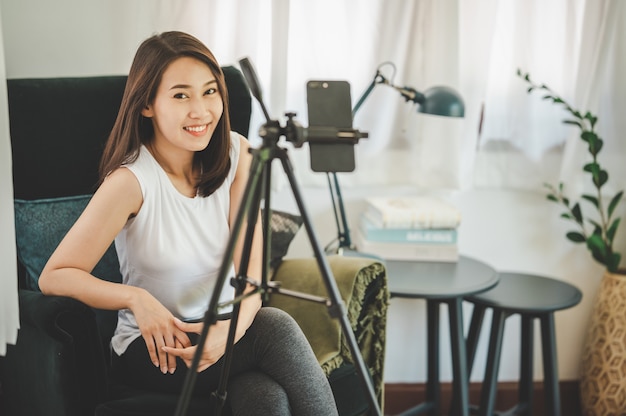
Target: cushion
x,y
284,227
41,224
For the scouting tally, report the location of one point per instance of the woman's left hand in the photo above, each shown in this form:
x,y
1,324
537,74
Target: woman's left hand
x,y
214,346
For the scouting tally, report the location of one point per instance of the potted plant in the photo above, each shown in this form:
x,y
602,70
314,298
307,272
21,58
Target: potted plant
x,y
603,389
598,233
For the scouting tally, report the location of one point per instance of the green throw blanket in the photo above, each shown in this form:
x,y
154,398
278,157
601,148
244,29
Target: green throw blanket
x,y
363,286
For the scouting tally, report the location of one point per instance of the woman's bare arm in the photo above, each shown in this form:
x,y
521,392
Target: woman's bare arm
x,y
68,271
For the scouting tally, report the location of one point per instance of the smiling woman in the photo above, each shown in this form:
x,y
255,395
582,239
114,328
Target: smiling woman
x,y
172,180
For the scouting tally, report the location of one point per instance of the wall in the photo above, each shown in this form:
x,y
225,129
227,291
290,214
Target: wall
x,y
511,230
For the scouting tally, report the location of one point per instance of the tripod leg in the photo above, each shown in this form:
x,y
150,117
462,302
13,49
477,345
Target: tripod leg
x,y
336,309
259,162
240,283
267,230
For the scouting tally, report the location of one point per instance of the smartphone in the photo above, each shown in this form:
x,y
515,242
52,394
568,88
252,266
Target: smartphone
x,y
329,104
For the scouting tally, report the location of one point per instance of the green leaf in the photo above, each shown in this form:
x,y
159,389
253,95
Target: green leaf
x,y
552,198
612,262
592,119
612,230
575,237
574,122
577,213
598,256
592,199
591,167
549,186
595,143
588,135
530,89
575,114
597,227
600,178
598,144
597,245
567,216
614,202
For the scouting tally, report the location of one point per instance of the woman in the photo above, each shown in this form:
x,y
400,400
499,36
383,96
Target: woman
x,y
172,178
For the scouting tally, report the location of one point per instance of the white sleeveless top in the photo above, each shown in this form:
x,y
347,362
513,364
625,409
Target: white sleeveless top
x,y
174,246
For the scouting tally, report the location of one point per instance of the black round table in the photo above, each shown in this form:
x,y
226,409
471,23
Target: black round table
x,y
442,283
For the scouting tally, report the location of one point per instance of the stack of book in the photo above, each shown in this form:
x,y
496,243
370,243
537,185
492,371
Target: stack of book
x,y
409,228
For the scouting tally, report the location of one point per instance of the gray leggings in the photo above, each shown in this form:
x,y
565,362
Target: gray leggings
x,y
273,372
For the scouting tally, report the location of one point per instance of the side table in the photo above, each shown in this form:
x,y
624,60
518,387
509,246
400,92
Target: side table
x,y
532,297
442,283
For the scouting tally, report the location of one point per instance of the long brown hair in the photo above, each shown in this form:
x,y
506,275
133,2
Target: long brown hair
x,y
132,129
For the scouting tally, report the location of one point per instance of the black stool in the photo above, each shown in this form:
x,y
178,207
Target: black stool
x,y
531,297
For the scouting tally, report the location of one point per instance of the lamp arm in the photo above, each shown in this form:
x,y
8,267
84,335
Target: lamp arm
x,y
378,79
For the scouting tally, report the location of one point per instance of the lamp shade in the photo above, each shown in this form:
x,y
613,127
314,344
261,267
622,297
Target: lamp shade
x,y
442,101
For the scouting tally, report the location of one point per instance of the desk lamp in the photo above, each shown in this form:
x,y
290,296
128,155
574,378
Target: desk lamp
x,y
440,101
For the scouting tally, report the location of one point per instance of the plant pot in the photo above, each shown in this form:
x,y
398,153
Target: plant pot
x,y
603,372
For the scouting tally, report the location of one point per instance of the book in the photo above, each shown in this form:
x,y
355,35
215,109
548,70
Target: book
x,y
406,235
407,251
412,212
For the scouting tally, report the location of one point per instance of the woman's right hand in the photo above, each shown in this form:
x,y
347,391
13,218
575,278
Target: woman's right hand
x,y
158,329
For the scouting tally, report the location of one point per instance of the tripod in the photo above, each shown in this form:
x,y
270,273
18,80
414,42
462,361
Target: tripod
x,y
258,187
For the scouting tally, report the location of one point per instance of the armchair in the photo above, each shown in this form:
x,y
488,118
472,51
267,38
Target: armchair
x,y
59,365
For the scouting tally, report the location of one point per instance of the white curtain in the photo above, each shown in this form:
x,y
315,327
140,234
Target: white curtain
x,y
526,35
475,46
576,47
600,86
9,317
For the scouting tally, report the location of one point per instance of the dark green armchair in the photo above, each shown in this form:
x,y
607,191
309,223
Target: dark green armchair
x,y
59,365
